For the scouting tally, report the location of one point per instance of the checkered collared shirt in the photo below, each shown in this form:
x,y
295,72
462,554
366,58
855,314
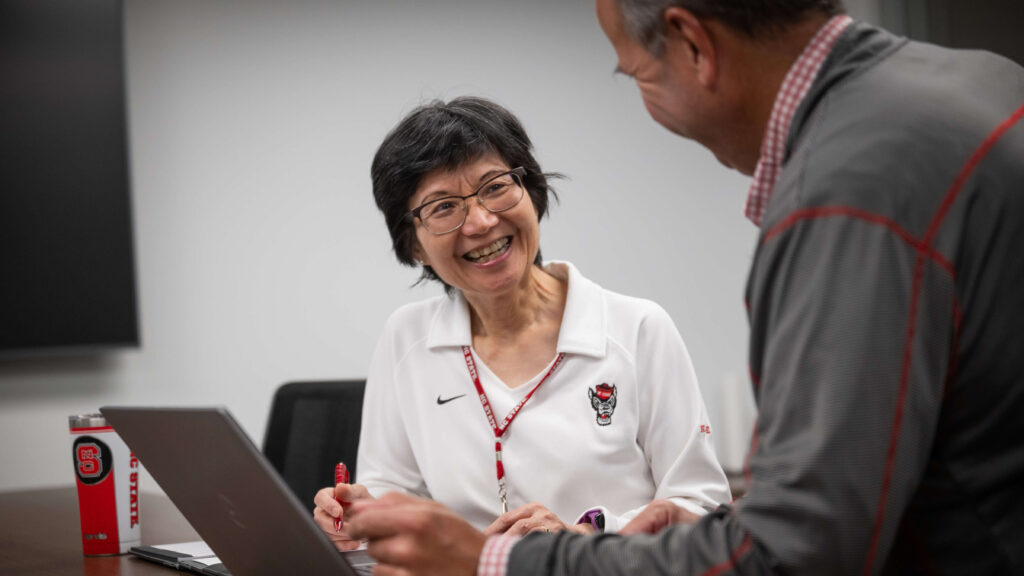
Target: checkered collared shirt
x,y
794,88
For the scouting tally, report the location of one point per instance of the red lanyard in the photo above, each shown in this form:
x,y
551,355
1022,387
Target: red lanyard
x,y
499,431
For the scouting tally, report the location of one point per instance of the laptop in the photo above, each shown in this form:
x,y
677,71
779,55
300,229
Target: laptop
x,y
230,494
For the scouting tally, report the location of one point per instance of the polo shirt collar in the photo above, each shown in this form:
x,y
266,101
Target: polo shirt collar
x,y
583,321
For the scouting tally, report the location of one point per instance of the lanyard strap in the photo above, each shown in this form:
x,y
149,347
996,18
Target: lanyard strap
x,y
499,431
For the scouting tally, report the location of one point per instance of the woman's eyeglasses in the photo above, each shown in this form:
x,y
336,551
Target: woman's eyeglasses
x,y
444,215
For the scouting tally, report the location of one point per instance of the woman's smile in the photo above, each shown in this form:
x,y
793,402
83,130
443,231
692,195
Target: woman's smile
x,y
490,253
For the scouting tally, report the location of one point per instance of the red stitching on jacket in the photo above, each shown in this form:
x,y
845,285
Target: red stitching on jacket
x,y
828,211
733,559
961,178
894,437
933,229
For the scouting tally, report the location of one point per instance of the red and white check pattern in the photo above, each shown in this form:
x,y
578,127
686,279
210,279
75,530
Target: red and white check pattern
x,y
794,88
494,557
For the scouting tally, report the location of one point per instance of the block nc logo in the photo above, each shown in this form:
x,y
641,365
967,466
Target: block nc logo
x,y
92,459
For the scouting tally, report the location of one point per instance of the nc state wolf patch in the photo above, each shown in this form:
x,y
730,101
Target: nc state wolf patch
x,y
602,399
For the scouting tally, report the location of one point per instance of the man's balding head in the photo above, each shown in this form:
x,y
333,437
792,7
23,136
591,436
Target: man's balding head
x,y
709,70
644,22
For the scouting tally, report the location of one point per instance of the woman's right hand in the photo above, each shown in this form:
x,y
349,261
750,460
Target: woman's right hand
x,y
328,511
532,517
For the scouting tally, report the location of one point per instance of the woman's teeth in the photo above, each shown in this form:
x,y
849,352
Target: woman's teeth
x,y
489,252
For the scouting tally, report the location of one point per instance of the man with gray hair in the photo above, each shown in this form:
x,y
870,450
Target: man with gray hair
x,y
885,305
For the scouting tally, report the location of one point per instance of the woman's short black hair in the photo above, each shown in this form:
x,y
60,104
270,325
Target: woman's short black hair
x,y
448,135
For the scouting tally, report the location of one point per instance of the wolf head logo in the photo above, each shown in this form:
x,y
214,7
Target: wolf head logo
x,y
602,399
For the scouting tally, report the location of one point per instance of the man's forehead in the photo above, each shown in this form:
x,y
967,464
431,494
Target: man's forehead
x,y
609,15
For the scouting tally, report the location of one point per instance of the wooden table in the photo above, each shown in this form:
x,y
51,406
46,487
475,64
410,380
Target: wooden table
x,y
40,534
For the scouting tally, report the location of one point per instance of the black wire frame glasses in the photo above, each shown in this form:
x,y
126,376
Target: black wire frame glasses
x,y
499,193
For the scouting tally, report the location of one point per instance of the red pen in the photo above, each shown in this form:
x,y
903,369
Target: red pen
x,y
340,477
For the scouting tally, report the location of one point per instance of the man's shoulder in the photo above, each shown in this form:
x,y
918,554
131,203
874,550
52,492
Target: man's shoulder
x,y
892,137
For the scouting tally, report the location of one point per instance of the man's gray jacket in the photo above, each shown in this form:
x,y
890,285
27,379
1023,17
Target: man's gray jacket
x,y
886,305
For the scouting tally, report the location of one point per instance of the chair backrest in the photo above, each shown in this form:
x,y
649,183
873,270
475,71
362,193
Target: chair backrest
x,y
313,426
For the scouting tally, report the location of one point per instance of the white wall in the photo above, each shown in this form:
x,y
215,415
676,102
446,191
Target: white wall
x,y
261,258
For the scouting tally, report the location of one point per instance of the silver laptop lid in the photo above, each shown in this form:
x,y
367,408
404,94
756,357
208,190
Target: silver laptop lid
x,y
227,490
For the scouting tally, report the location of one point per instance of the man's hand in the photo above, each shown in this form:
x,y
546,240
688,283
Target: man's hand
x,y
328,510
410,536
657,516
532,517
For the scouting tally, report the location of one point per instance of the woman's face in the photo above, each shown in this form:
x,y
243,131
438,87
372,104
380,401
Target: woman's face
x,y
492,252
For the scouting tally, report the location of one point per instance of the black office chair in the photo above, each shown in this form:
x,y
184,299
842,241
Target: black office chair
x,y
313,426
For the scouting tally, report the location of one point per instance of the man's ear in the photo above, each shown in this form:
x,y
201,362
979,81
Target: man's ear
x,y
687,32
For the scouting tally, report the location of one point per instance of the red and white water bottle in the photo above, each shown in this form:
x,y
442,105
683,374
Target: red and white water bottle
x,y
107,475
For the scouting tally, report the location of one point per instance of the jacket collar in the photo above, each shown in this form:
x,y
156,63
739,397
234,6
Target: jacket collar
x,y
583,321
860,46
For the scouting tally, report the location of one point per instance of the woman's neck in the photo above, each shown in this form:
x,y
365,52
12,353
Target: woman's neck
x,y
535,304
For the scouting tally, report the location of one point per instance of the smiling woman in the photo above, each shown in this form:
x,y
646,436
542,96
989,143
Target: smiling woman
x,y
420,156
599,386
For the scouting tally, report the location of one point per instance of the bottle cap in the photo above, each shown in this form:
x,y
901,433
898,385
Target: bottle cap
x,y
87,421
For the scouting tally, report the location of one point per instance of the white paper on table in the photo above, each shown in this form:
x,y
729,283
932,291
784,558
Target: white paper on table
x,y
205,561
197,549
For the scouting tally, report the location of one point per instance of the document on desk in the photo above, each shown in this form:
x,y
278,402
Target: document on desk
x,y
199,558
210,566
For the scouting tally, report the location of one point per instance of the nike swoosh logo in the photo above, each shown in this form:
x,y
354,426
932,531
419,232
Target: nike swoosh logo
x,y
447,400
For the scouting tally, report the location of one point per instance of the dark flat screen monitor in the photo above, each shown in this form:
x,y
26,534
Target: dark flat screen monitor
x,y
67,271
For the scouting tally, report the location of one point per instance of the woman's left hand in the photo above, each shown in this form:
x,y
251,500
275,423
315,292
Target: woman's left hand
x,y
532,517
